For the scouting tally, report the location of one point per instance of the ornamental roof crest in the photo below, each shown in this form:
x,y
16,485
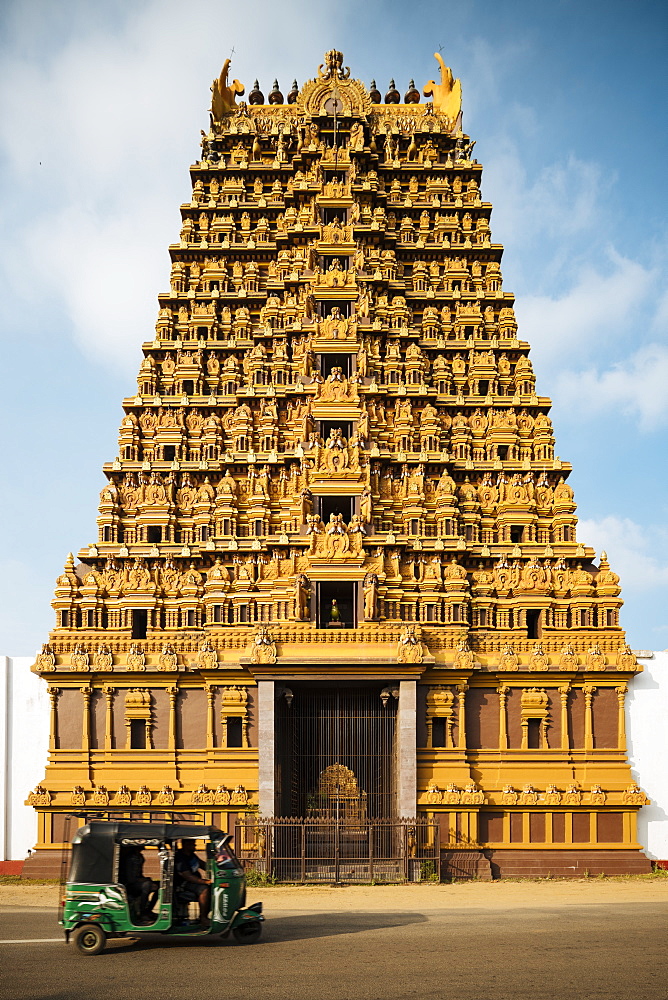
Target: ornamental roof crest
x,y
333,91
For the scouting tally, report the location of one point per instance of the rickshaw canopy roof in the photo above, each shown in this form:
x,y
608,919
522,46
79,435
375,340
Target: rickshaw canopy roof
x,y
93,845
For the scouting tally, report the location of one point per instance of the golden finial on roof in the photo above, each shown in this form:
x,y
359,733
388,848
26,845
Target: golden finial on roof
x,y
334,68
223,95
447,95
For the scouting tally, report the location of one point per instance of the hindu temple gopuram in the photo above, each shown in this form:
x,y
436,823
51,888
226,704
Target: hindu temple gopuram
x,y
337,573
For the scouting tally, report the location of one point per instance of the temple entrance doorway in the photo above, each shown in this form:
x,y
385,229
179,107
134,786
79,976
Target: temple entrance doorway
x,y
335,751
337,790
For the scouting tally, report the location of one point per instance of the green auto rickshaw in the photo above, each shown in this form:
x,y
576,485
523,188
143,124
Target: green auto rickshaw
x,y
101,901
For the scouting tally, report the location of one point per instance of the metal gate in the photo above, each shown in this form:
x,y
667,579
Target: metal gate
x,y
335,752
327,850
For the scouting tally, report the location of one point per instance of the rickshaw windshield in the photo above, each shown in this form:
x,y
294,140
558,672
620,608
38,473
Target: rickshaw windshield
x,y
223,854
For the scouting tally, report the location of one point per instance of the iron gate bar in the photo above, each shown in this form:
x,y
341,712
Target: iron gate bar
x,y
317,849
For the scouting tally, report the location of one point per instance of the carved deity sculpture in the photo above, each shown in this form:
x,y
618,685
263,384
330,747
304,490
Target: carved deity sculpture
x,y
433,794
538,659
207,657
103,658
136,657
167,659
569,659
464,659
46,660
370,591
626,659
409,649
595,659
263,649
80,658
509,658
302,598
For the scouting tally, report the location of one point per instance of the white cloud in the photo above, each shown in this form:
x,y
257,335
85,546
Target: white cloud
x,y
598,309
564,198
484,66
114,115
635,387
108,271
639,553
660,324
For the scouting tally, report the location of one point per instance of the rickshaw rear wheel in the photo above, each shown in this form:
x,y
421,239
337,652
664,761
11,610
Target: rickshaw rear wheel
x,y
248,932
89,939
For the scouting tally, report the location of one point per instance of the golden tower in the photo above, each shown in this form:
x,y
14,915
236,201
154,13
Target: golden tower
x,y
337,557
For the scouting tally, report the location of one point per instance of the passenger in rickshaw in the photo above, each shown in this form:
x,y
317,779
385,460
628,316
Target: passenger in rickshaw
x,y
142,891
189,884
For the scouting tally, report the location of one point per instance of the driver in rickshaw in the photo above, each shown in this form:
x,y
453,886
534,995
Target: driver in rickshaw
x,y
190,885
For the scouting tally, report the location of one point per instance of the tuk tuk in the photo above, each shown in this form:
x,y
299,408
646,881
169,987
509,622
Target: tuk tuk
x,y
99,900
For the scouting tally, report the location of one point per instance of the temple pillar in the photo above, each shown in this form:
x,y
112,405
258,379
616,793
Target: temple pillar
x,y
563,694
210,699
461,699
53,724
172,691
109,717
589,690
406,744
86,691
266,711
503,720
621,690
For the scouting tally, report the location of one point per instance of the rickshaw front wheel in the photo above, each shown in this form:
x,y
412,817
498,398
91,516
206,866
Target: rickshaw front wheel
x,y
89,939
248,932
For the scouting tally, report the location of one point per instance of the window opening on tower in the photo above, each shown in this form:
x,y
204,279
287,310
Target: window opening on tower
x,y
327,428
327,505
336,602
327,363
137,734
533,734
139,623
327,306
533,623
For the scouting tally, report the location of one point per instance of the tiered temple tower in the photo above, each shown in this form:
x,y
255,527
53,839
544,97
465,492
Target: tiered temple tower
x,y
337,553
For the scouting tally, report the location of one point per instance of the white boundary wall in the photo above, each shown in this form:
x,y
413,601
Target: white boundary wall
x,y
24,746
24,738
647,735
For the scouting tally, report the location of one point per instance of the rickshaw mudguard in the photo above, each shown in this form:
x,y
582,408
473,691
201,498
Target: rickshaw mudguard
x,y
226,894
253,912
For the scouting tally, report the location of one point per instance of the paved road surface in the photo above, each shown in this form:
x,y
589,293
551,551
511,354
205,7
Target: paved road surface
x,y
566,952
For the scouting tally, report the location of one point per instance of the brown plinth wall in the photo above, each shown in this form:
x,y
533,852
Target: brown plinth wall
x,y
457,866
42,864
566,864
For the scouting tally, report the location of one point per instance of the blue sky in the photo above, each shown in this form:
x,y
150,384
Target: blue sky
x,y
100,110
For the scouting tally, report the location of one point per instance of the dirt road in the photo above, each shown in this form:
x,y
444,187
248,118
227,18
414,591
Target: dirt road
x,y
503,894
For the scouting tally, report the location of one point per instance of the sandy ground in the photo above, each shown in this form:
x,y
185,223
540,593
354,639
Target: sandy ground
x,y
382,898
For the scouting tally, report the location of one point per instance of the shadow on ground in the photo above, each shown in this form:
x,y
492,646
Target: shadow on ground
x,y
300,927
